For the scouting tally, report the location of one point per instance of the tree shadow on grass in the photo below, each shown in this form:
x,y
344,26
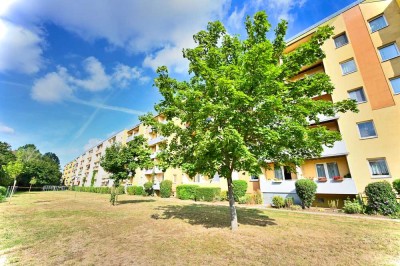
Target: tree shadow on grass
x,y
212,216
120,202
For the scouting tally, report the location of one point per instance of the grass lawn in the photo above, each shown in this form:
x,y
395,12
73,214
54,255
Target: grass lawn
x,y
69,228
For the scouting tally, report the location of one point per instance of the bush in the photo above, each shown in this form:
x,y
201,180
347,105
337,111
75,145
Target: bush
x,y
352,206
289,201
130,190
3,191
278,202
223,196
306,189
239,189
243,200
207,193
396,185
121,190
295,207
148,189
381,198
138,190
166,189
186,192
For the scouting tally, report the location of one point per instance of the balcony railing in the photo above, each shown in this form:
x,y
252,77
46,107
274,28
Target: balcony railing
x,y
338,149
324,118
156,140
156,170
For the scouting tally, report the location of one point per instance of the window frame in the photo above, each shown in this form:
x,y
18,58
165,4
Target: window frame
x,y
375,18
391,85
346,61
387,45
370,169
359,88
339,35
282,173
325,164
369,137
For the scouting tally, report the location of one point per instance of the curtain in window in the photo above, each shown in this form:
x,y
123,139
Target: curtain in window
x,y
379,167
278,173
333,169
348,67
377,24
341,40
321,170
388,52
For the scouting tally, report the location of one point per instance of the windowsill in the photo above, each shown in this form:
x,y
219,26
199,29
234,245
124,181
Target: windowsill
x,y
372,137
362,102
349,73
390,58
379,29
254,180
396,93
341,45
381,176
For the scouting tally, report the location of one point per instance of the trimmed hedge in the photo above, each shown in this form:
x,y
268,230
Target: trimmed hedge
x,y
305,189
166,189
134,190
239,189
207,193
186,192
101,190
396,185
381,198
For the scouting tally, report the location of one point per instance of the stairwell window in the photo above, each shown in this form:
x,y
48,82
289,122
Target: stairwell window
x,y
389,51
348,67
377,23
395,82
378,167
341,40
366,129
358,95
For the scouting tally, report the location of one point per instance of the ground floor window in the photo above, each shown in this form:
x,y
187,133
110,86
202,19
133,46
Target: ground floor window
x,y
278,171
327,169
378,167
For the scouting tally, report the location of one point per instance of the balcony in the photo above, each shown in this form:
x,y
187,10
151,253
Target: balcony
x,y
154,155
338,149
150,171
324,118
156,140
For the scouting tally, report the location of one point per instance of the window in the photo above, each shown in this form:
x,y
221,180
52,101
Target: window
x,y
377,23
278,173
389,51
366,129
348,67
395,82
253,178
378,167
358,95
330,168
341,40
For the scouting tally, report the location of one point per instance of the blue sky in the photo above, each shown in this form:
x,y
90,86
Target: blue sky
x,y
74,72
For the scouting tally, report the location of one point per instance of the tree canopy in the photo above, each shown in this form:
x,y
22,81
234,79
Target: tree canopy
x,y
6,156
242,106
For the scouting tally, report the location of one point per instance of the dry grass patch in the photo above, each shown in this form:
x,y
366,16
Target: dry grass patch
x,y
70,228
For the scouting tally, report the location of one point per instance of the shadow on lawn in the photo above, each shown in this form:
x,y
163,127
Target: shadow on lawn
x,y
212,216
133,201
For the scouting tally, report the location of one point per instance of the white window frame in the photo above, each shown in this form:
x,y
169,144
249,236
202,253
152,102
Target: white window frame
x,y
325,164
377,159
339,35
387,45
254,178
348,60
373,124
374,18
391,85
360,88
283,173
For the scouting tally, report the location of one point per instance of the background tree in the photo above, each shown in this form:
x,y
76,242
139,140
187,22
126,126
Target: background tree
x,y
13,169
241,107
121,161
32,183
6,156
52,156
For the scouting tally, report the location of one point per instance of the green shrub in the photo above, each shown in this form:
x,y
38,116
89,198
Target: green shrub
x,y
396,185
381,198
239,189
278,202
295,207
3,191
207,193
138,190
289,201
352,206
166,189
257,197
223,196
186,192
242,200
130,190
306,189
148,189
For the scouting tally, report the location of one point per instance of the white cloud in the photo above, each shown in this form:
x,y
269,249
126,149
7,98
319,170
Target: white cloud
x,y
60,85
91,143
280,9
20,48
6,129
236,18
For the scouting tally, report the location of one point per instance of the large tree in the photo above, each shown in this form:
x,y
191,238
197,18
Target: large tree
x,y
6,156
242,106
122,161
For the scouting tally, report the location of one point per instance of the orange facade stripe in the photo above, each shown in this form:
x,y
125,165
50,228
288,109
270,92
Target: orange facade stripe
x,y
369,65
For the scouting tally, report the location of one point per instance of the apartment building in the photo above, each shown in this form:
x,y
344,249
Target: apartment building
x,y
363,62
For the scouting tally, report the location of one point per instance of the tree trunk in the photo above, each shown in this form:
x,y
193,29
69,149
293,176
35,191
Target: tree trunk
x,y
234,222
30,188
